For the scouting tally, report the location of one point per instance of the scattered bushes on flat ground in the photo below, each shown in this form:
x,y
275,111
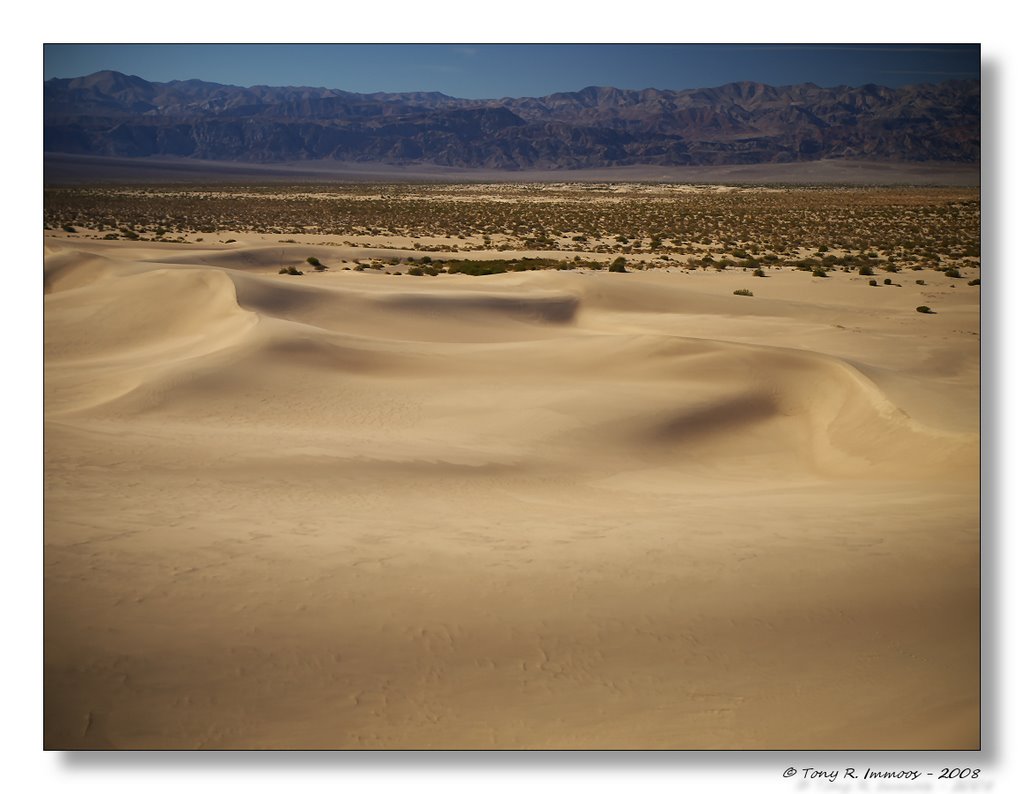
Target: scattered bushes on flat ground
x,y
900,226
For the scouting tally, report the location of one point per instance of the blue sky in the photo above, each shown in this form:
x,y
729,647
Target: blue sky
x,y
490,71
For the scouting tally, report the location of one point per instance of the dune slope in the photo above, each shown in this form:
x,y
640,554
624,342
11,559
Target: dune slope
x,y
534,510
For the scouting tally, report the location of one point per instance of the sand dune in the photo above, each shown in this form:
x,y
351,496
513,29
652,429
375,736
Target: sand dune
x,y
541,509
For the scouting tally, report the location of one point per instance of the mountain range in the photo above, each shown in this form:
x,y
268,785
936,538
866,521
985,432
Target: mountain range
x,y
117,115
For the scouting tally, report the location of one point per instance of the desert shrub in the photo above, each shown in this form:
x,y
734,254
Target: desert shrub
x,y
759,273
416,271
540,264
919,282
313,262
230,241
483,268
618,266
746,292
69,228
872,283
952,272
887,281
974,282
925,310
290,270
891,268
866,270
819,273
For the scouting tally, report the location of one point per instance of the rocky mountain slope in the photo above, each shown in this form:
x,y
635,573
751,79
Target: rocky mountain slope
x,y
113,114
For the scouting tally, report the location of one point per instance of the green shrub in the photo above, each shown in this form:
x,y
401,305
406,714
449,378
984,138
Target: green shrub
x,y
759,273
974,282
484,268
866,270
872,283
952,272
290,270
313,262
919,282
887,282
819,273
746,292
69,228
618,266
416,271
925,310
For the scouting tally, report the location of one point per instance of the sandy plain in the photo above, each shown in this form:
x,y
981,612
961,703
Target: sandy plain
x,y
553,509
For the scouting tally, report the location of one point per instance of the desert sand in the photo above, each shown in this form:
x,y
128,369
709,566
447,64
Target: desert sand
x,y
549,509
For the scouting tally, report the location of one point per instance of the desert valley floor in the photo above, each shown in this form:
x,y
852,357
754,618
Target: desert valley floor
x,y
533,509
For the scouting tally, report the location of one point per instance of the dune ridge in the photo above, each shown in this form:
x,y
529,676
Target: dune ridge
x,y
540,509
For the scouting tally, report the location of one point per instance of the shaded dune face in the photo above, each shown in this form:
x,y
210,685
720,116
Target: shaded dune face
x,y
534,510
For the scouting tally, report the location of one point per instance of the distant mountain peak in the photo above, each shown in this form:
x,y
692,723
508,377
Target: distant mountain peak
x,y
110,113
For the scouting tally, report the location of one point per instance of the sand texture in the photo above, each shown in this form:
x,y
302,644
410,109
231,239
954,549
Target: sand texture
x,y
549,509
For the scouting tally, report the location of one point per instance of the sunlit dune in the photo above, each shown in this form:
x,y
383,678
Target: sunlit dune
x,y
547,509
